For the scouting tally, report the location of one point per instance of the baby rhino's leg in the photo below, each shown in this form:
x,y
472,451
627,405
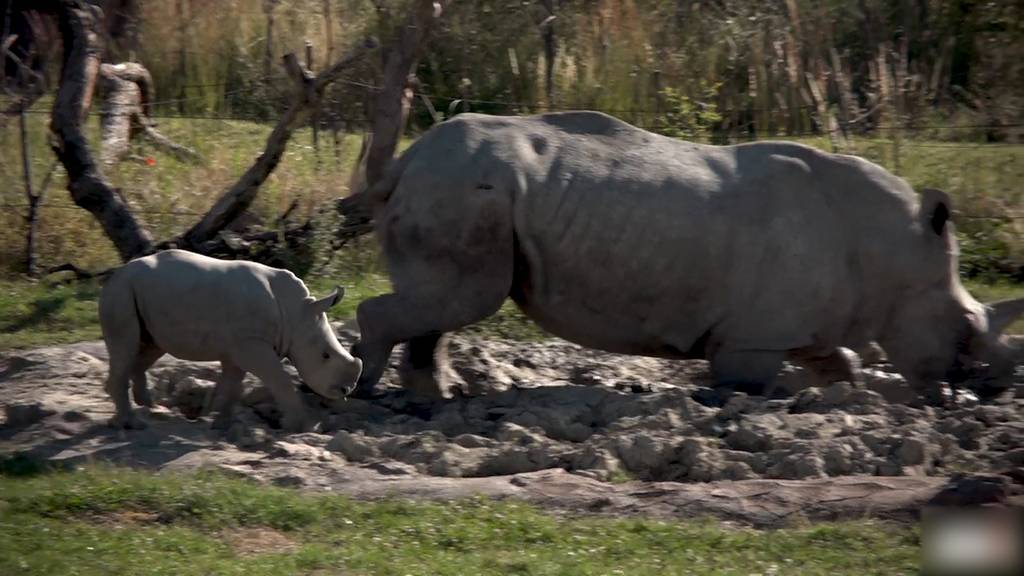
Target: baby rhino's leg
x,y
261,359
226,394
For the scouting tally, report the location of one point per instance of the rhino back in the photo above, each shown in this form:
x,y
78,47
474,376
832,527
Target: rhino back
x,y
197,308
635,242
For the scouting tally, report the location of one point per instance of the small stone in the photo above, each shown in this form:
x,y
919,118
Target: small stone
x,y
912,452
350,446
837,394
748,440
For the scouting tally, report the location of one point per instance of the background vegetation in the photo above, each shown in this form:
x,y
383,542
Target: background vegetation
x,y
927,88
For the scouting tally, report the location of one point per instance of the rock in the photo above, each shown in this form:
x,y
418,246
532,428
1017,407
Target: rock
x,y
641,452
973,490
190,395
797,466
738,404
838,460
806,400
391,468
912,452
352,447
472,441
837,394
1015,457
457,461
593,458
511,433
25,414
750,439
288,480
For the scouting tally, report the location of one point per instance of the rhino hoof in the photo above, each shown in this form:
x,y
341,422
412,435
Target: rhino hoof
x,y
143,398
128,422
296,424
222,422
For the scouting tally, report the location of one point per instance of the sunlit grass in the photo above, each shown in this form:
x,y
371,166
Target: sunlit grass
x,y
115,521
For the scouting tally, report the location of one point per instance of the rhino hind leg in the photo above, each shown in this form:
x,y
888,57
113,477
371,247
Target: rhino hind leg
x,y
122,335
146,357
747,371
448,271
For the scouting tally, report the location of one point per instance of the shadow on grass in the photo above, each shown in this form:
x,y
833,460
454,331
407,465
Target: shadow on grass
x,y
42,309
25,466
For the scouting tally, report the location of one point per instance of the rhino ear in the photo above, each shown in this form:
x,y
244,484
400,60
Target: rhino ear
x,y
935,210
324,304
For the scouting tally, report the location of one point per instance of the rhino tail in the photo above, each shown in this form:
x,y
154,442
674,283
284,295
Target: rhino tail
x,y
367,200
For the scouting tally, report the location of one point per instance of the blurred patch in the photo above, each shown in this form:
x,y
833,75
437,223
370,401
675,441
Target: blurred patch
x,y
972,542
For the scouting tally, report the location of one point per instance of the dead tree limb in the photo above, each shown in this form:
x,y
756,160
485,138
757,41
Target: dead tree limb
x,y
309,91
128,89
78,22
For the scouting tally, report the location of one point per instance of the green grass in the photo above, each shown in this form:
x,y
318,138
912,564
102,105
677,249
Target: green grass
x,y
114,521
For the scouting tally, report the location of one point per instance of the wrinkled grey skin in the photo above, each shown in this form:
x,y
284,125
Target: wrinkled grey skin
x,y
622,240
246,315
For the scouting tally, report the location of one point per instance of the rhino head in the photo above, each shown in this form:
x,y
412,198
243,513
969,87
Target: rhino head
x,y
937,330
322,362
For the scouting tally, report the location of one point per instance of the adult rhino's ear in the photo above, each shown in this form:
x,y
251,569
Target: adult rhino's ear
x,y
935,210
322,305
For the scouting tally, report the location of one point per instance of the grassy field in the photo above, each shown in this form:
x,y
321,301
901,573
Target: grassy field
x,y
109,521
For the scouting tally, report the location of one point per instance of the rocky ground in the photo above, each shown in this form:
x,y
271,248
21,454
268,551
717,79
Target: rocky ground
x,y
548,422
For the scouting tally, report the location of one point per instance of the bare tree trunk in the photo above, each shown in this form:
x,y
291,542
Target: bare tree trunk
x,y
315,122
89,190
328,30
268,52
33,198
547,27
182,54
393,97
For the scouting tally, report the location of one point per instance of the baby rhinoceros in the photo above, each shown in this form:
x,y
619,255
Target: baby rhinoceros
x,y
246,315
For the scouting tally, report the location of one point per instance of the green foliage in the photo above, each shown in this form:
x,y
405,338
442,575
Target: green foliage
x,y
687,118
115,521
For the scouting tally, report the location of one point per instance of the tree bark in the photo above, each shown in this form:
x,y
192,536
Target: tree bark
x,y
393,99
128,89
78,23
33,198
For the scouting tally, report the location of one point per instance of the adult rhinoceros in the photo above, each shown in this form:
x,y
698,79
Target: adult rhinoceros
x,y
622,240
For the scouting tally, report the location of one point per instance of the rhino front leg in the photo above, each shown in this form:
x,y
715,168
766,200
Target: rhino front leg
x,y
425,361
260,359
226,394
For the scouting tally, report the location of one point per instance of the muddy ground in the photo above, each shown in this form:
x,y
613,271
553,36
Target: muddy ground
x,y
554,424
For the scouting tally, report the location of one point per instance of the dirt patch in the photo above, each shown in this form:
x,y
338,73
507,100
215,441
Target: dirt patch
x,y
551,423
252,541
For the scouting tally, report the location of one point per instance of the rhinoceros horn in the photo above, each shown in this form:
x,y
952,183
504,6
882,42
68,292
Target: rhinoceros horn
x,y
1002,314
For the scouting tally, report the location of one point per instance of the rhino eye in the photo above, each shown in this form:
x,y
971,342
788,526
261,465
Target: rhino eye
x,y
326,356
